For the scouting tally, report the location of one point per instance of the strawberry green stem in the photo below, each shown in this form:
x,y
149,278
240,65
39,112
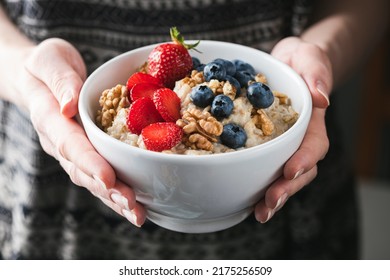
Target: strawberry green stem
x,y
179,39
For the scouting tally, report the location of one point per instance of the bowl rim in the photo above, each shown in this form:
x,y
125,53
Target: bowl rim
x,y
84,118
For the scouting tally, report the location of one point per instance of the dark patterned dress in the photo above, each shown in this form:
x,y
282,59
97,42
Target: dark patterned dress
x,y
44,216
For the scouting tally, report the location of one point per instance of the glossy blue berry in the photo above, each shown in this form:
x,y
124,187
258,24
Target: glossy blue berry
x,y
233,81
202,96
260,95
244,66
233,136
244,77
214,70
195,62
222,106
200,67
227,64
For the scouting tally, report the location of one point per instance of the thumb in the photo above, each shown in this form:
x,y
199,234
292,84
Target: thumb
x,y
312,63
60,67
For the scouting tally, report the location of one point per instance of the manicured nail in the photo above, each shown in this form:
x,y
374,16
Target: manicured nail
x,y
321,91
281,201
131,217
120,200
100,182
299,173
271,212
66,98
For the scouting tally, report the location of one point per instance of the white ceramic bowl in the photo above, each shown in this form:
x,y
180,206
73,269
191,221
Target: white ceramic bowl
x,y
192,193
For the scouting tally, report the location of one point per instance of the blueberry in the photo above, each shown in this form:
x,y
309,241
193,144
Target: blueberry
x,y
222,106
195,62
233,81
214,70
202,96
244,77
233,136
229,66
260,95
200,67
244,66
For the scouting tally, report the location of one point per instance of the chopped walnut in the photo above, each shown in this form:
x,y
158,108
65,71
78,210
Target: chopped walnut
x,y
261,78
216,86
229,90
143,68
283,99
197,141
200,129
196,78
263,122
111,101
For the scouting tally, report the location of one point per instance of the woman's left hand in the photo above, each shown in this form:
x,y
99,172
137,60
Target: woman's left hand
x,y
313,65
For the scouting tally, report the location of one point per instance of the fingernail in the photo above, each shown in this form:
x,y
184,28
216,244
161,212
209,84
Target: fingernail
x,y
66,98
100,182
131,217
120,200
322,91
281,201
299,173
271,212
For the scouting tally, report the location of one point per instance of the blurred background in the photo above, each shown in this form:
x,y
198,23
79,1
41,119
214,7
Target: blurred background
x,y
364,113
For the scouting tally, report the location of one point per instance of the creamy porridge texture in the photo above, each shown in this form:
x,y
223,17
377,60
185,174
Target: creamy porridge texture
x,y
218,112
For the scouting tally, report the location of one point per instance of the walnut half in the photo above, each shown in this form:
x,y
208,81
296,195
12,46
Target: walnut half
x,y
200,129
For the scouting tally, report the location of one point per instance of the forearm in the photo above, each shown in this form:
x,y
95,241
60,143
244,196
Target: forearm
x,y
349,32
13,46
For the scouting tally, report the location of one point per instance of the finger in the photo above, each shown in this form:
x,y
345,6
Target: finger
x,y
314,147
135,216
65,139
279,192
311,62
68,143
317,76
60,67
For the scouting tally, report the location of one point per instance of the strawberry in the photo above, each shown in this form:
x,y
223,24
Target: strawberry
x,y
140,77
167,104
170,62
143,90
142,112
161,136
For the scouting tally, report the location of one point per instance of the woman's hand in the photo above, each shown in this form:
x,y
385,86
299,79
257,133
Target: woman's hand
x,y
49,80
313,65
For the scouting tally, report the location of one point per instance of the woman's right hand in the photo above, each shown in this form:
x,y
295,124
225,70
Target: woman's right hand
x,y
47,79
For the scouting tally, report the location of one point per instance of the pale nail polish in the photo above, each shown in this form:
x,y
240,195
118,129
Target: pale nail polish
x,y
271,212
120,200
299,173
321,91
131,217
282,199
100,182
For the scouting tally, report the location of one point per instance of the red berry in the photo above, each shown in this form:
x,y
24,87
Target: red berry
x,y
143,90
142,112
167,104
161,136
170,62
140,77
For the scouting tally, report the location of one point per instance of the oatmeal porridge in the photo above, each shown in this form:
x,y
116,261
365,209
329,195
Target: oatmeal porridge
x,y
217,112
